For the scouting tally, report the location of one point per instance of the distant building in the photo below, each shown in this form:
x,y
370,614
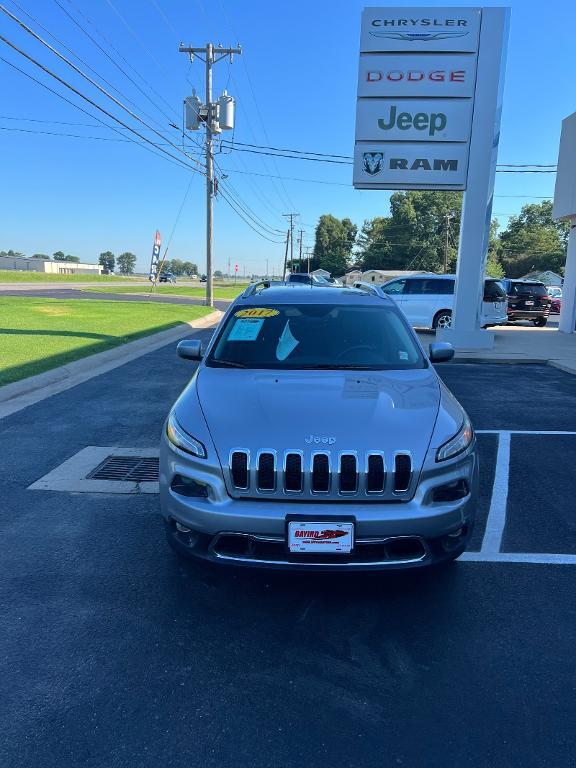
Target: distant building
x,y
352,276
320,273
22,264
383,275
547,277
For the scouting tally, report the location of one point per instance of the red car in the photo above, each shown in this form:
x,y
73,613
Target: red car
x,y
555,305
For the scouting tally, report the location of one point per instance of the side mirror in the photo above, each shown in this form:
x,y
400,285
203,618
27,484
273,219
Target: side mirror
x,y
441,352
189,349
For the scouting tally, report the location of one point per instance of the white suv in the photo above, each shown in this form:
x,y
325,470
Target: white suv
x,y
428,300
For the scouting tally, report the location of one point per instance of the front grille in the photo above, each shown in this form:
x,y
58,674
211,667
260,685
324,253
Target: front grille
x,y
321,475
239,469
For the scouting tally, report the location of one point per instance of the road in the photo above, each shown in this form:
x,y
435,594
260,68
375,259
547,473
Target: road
x,y
77,293
116,653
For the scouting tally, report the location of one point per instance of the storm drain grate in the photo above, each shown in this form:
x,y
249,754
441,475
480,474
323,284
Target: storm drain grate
x,y
136,469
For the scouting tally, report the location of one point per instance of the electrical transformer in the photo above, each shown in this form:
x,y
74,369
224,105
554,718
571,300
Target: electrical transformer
x,y
192,107
226,111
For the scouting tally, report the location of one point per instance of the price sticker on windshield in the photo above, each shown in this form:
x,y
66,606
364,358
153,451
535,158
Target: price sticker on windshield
x,y
257,312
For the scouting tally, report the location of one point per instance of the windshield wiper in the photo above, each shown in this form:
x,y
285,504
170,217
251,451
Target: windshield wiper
x,y
341,367
227,364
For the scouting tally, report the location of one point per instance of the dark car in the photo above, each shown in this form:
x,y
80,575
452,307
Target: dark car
x,y
167,277
304,278
527,300
203,279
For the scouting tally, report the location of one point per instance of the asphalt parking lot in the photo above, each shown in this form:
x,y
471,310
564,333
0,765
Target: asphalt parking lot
x,y
115,653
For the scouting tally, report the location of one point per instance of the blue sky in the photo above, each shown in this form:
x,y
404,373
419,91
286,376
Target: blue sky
x,y
295,86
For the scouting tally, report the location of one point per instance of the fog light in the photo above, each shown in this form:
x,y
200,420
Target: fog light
x,y
456,534
186,486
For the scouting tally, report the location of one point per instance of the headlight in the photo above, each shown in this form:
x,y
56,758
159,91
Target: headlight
x,y
458,443
183,440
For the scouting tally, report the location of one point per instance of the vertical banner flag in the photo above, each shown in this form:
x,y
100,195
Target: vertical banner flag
x,y
155,263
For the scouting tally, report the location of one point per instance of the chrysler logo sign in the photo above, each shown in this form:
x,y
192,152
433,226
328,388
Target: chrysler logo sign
x,y
419,36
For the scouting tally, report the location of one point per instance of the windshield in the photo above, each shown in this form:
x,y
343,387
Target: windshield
x,y
493,291
316,336
534,289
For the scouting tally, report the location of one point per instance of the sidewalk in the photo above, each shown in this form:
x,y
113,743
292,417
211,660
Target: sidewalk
x,y
521,344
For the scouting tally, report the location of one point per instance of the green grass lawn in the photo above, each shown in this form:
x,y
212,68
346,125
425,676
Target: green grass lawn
x,y
38,334
220,291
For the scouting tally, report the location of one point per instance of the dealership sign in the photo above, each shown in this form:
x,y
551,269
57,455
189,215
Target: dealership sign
x,y
417,86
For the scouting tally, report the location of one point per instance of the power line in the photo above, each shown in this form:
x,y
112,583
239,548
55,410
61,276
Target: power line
x,y
174,160
90,101
84,75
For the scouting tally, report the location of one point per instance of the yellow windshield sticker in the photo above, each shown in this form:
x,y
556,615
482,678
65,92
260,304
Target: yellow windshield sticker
x,y
257,312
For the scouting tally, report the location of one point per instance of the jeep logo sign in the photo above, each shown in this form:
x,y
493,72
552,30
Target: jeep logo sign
x,y
410,119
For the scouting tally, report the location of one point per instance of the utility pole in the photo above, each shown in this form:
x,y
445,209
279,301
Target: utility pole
x,y
209,114
286,255
446,243
300,254
290,216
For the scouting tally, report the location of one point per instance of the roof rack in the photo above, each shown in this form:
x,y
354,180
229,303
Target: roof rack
x,y
261,285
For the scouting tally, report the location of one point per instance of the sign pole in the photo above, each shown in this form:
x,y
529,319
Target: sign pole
x,y
477,206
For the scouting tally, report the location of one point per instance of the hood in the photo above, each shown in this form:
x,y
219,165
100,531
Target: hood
x,y
317,410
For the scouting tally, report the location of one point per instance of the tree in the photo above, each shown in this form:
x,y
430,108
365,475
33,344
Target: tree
x,y
41,256
335,239
59,256
415,235
190,269
12,254
533,241
108,262
218,273
126,263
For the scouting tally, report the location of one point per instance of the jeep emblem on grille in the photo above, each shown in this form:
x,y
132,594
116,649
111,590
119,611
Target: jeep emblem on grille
x,y
317,439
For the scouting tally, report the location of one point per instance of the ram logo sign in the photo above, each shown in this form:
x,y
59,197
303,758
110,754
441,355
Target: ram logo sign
x,y
372,162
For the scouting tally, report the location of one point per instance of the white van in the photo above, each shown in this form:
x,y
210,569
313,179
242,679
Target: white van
x,y
428,300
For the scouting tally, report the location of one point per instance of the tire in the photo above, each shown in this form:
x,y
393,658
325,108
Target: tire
x,y
540,322
442,319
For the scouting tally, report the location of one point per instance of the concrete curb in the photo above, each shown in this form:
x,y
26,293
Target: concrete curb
x,y
14,397
566,368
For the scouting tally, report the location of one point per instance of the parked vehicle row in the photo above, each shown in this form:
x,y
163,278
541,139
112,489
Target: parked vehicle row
x,y
428,300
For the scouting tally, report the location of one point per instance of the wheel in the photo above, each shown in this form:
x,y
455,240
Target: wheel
x,y
540,322
443,319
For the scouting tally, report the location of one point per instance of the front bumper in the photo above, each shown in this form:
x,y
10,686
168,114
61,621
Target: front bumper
x,y
251,532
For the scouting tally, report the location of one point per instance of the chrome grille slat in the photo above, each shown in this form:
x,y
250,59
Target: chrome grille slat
x,y
402,472
266,471
293,480
320,473
348,473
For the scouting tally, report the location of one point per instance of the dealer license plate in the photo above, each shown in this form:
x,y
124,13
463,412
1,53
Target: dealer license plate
x,y
320,537
529,303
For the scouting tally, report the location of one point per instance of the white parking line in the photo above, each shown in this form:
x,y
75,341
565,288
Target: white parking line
x,y
496,522
524,432
538,558
497,515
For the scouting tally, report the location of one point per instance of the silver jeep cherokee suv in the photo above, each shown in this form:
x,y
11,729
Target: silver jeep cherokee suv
x,y
315,434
